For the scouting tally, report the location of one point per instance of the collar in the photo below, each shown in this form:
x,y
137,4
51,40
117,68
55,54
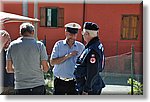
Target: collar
x,y
95,39
26,37
65,42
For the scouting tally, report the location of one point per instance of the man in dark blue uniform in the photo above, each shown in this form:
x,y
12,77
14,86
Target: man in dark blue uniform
x,y
90,62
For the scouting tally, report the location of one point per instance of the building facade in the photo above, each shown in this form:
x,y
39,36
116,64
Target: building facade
x,y
120,26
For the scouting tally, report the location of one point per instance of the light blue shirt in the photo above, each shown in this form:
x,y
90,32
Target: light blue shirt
x,y
66,68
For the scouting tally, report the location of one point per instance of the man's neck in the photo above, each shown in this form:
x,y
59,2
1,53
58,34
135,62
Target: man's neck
x,y
26,34
70,44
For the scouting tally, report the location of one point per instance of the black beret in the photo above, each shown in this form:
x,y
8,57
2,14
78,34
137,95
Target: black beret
x,y
72,30
90,26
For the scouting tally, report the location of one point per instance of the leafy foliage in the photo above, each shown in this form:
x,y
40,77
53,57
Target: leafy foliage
x,y
137,87
49,82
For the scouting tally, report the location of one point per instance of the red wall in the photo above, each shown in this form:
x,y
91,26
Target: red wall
x,y
72,13
107,16
12,28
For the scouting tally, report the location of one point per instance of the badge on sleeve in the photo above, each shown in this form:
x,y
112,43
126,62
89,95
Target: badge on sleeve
x,y
93,59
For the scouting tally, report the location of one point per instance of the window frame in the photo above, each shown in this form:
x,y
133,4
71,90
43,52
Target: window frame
x,y
130,37
59,19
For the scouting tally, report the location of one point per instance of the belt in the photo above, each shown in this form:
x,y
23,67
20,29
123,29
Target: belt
x,y
65,79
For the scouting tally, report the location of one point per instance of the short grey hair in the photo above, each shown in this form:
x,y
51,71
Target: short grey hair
x,y
92,33
26,27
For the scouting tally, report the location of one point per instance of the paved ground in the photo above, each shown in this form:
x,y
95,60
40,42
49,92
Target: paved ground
x,y
116,90
108,90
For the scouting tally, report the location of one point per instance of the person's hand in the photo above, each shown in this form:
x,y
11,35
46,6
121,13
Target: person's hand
x,y
84,93
73,53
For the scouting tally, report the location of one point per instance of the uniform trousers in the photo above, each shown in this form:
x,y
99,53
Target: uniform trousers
x,y
62,87
95,92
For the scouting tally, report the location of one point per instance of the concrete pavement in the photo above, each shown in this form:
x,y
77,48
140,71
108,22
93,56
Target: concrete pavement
x,y
116,90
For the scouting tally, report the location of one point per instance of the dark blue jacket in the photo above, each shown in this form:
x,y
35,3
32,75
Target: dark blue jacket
x,y
88,66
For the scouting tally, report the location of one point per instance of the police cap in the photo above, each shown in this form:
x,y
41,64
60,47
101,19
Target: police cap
x,y
72,28
91,26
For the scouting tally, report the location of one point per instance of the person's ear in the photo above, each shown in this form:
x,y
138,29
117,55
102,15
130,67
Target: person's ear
x,y
32,32
66,33
87,33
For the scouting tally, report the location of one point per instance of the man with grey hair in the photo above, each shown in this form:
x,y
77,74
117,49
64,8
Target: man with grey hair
x,y
24,58
90,62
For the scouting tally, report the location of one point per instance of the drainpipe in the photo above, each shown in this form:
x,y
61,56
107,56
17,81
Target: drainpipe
x,y
35,16
83,18
25,8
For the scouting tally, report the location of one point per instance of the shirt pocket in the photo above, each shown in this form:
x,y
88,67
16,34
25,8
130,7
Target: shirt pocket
x,y
62,52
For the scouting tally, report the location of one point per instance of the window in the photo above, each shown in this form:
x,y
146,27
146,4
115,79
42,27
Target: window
x,y
52,17
129,29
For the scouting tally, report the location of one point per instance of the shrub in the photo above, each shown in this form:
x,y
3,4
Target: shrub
x,y
137,87
49,82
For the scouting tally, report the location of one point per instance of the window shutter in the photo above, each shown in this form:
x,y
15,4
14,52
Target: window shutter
x,y
129,29
134,23
43,16
125,27
60,17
